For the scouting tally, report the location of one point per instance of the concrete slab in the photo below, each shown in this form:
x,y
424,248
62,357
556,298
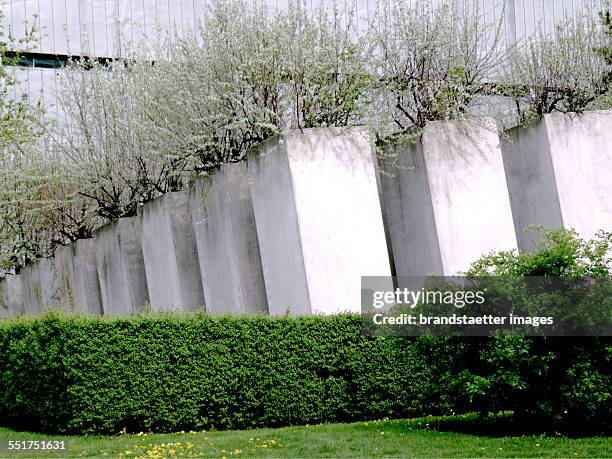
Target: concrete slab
x,y
319,220
559,175
11,303
120,266
64,263
170,254
41,287
226,237
447,202
78,271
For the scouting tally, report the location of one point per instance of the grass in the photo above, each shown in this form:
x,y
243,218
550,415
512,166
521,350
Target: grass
x,y
424,437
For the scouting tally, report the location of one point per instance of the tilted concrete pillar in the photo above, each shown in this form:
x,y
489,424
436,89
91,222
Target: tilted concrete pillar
x,y
228,248
40,287
446,199
78,272
559,175
11,303
318,218
170,254
120,266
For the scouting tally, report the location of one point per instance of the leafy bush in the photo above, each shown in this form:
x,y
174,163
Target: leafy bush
x,y
560,252
169,373
165,373
564,381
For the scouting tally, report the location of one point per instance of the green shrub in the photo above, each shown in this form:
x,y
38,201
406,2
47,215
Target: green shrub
x,y
167,373
561,252
564,381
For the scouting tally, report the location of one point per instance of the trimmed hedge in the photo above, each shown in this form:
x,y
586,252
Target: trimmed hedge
x,y
167,373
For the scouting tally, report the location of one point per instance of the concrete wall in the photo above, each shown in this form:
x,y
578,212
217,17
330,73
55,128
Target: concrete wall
x,y
318,219
11,303
121,270
559,175
226,237
40,287
446,201
170,254
78,272
295,228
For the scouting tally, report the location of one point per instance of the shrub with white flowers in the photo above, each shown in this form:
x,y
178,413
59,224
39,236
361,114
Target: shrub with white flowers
x,y
559,71
431,63
145,126
34,196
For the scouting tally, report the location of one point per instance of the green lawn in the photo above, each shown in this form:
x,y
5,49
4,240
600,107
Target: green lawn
x,y
425,437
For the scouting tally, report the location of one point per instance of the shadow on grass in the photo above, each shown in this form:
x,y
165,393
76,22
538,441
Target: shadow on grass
x,y
505,425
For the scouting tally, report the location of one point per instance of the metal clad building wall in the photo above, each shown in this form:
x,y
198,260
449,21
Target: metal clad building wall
x,y
95,26
65,26
106,27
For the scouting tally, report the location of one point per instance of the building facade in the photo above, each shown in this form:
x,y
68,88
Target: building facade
x,y
106,28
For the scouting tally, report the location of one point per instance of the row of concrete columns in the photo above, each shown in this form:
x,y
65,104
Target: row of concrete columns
x,y
293,229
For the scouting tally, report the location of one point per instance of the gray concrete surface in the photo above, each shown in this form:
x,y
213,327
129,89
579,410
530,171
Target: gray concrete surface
x,y
447,201
41,287
121,270
559,175
226,237
409,213
78,272
319,220
170,253
64,264
11,303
